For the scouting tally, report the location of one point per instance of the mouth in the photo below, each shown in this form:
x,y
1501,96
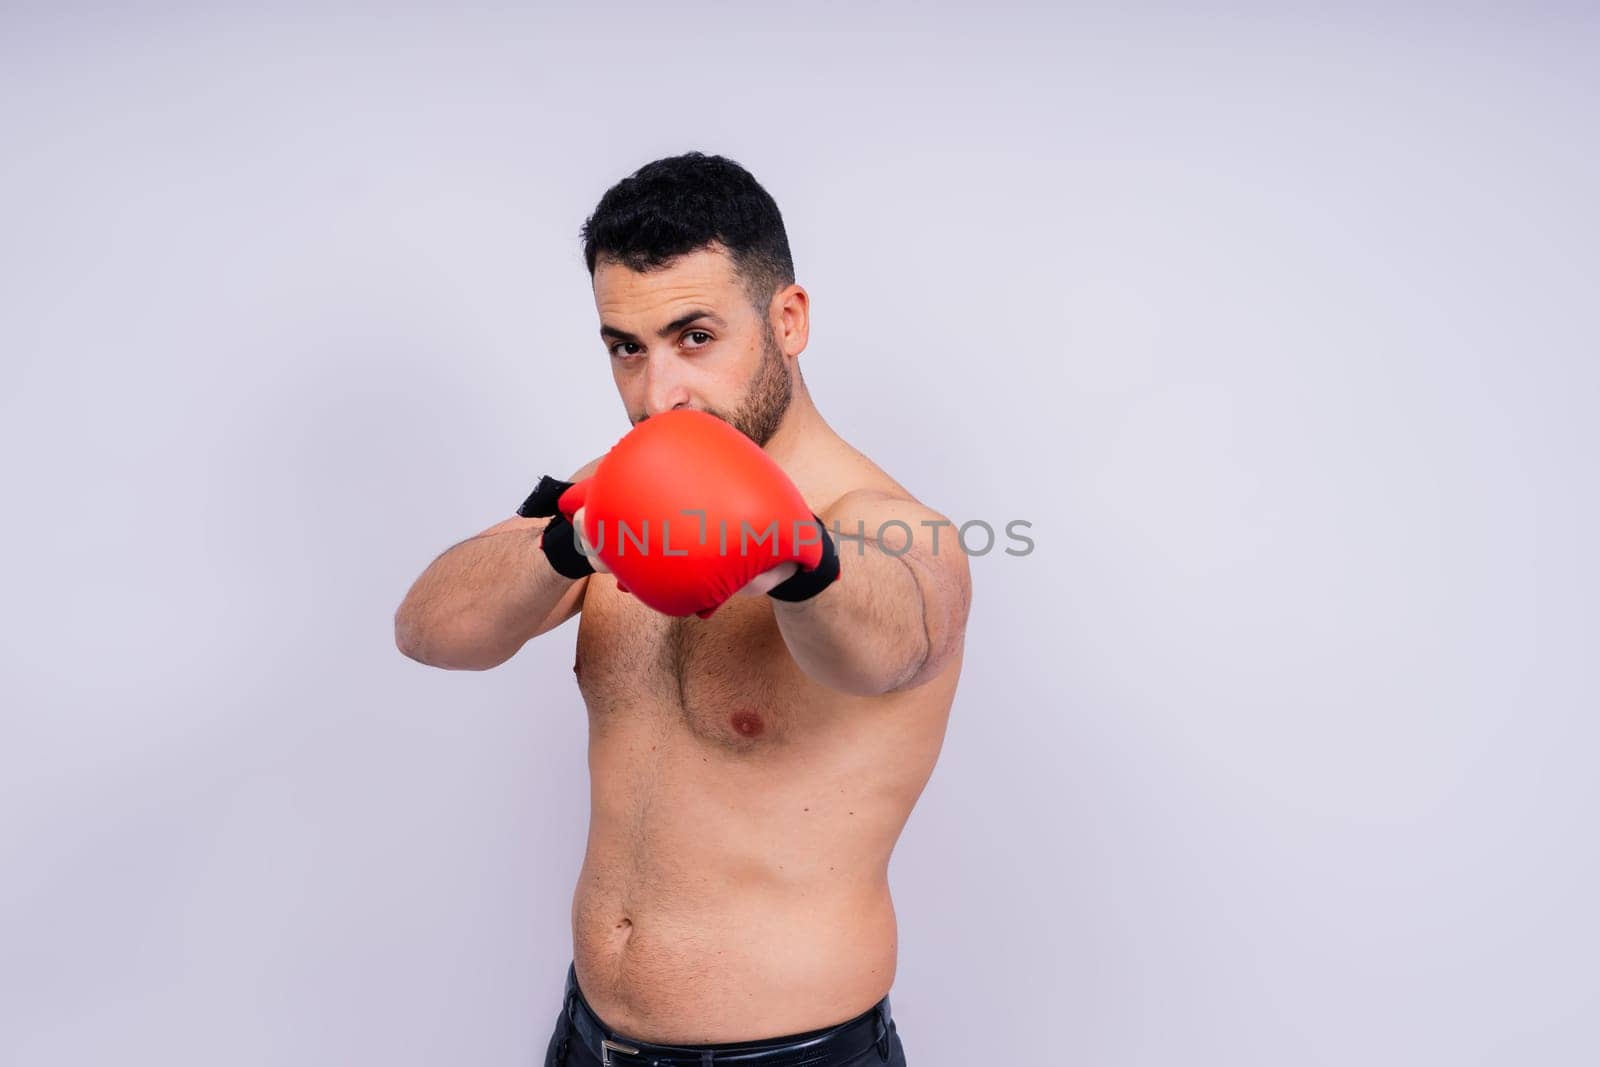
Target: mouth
x,y
703,411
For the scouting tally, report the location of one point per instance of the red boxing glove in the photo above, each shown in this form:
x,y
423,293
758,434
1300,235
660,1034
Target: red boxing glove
x,y
685,510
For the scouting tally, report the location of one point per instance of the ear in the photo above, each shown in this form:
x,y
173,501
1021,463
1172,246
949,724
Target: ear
x,y
792,309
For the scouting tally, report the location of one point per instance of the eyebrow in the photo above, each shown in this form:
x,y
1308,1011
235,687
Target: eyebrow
x,y
692,315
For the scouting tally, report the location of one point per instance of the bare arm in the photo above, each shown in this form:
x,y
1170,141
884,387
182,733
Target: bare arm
x,y
899,609
476,605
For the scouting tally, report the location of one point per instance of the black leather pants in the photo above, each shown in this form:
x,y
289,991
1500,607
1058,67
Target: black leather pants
x,y
582,1039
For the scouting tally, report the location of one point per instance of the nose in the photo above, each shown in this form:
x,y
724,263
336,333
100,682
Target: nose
x,y
666,386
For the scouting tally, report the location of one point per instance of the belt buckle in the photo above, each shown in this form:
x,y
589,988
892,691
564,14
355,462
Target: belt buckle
x,y
608,1046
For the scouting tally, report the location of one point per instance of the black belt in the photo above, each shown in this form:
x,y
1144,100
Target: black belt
x,y
818,1048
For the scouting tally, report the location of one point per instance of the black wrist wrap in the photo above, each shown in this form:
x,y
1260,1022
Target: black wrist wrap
x,y
559,540
804,584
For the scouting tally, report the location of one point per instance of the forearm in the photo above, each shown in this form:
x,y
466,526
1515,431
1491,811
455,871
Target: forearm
x,y
866,633
481,600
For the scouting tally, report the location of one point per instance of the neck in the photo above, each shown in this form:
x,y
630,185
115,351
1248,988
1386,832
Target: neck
x,y
800,436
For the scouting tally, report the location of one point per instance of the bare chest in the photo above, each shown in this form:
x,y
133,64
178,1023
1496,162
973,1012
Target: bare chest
x,y
728,680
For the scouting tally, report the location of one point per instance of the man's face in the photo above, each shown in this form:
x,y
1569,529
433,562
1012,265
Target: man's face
x,y
686,336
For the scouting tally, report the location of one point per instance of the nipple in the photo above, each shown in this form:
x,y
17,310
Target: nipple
x,y
747,723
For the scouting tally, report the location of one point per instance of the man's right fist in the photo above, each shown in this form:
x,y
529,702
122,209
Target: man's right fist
x,y
685,510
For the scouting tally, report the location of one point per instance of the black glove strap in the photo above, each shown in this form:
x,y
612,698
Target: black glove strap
x,y
559,541
804,584
544,498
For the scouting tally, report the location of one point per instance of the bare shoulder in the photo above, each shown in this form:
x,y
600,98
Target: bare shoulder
x,y
587,470
851,471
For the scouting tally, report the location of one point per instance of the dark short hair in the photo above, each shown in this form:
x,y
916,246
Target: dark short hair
x,y
682,204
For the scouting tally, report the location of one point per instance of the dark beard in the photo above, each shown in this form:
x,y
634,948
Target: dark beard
x,y
767,399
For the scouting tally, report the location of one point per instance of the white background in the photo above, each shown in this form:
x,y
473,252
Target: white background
x,y
1279,325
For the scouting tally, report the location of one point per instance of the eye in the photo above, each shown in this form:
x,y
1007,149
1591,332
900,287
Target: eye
x,y
699,333
622,344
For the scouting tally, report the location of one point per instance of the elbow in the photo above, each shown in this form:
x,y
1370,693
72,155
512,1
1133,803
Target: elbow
x,y
411,631
410,636
434,645
413,642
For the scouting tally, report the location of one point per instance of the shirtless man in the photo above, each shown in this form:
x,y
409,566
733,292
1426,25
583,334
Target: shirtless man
x,y
750,772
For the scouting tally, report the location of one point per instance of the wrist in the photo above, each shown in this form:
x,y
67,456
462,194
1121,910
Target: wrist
x,y
558,540
807,583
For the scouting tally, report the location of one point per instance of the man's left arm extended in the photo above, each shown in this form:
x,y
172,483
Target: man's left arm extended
x,y
897,612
